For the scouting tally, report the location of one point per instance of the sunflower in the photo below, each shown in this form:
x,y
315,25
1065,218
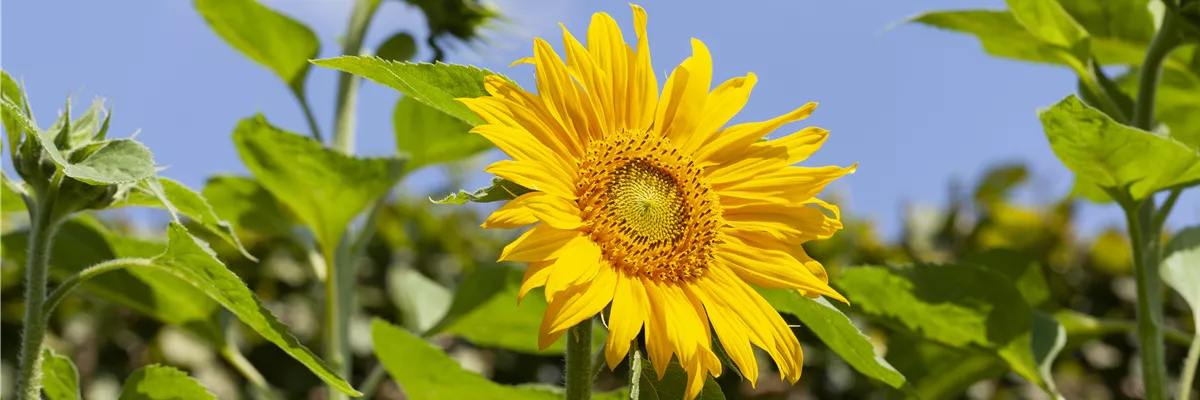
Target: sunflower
x,y
647,202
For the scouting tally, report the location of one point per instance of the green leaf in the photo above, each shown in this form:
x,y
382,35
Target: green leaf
x,y
836,331
1117,156
324,188
1047,340
82,242
998,182
157,382
60,379
673,384
247,206
179,199
10,92
10,195
486,312
959,306
1019,268
113,161
999,32
500,190
427,373
430,136
269,38
399,47
191,260
1181,267
1049,22
436,85
938,371
422,301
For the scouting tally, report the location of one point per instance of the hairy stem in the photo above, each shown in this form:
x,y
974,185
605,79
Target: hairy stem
x,y
335,346
579,361
1145,231
347,94
79,278
41,238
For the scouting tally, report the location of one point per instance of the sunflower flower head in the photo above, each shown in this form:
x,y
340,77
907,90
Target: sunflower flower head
x,y
645,202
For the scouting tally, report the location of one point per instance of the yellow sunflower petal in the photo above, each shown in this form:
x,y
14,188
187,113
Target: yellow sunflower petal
x,y
521,145
684,96
562,96
766,241
771,269
555,211
513,214
597,86
777,338
643,88
578,262
512,106
535,175
579,303
628,314
735,139
535,276
608,51
789,185
540,243
733,332
770,156
723,103
795,223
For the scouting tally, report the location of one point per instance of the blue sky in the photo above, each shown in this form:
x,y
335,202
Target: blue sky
x,y
916,107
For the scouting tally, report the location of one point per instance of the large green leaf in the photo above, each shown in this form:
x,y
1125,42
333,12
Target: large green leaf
x,y
422,301
998,31
500,190
673,384
1181,267
191,260
960,306
60,379
836,331
430,136
324,188
436,85
266,36
82,242
157,382
937,371
399,47
247,206
1049,22
1019,268
1176,104
173,196
485,311
427,373
1117,156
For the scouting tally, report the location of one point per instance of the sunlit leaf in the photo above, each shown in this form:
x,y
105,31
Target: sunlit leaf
x,y
436,85
835,331
1049,22
157,382
60,379
1021,269
422,301
430,136
998,182
10,195
500,190
485,311
1047,339
1116,156
179,199
113,161
1181,267
324,188
399,47
10,91
959,305
427,373
1000,34
247,206
269,38
1176,104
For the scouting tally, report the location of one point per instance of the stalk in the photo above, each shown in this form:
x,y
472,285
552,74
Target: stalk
x,y
41,238
347,94
579,361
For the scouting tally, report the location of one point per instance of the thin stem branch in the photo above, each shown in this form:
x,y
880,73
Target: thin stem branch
x,y
1189,369
308,115
635,372
1160,216
373,380
335,350
347,94
80,277
234,356
579,363
41,239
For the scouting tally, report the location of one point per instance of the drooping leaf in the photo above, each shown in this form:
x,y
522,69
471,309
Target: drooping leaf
x,y
10,195
423,301
958,305
673,384
1047,340
157,382
436,85
485,311
427,373
937,371
247,206
173,196
1117,156
835,331
82,242
191,260
430,136
999,33
324,188
268,37
399,47
1181,267
500,190
60,379
10,92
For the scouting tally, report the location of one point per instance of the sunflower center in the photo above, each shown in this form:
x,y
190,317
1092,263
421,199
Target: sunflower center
x,y
648,207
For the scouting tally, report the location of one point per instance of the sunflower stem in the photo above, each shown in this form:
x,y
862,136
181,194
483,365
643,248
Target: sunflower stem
x,y
579,361
41,238
1145,228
